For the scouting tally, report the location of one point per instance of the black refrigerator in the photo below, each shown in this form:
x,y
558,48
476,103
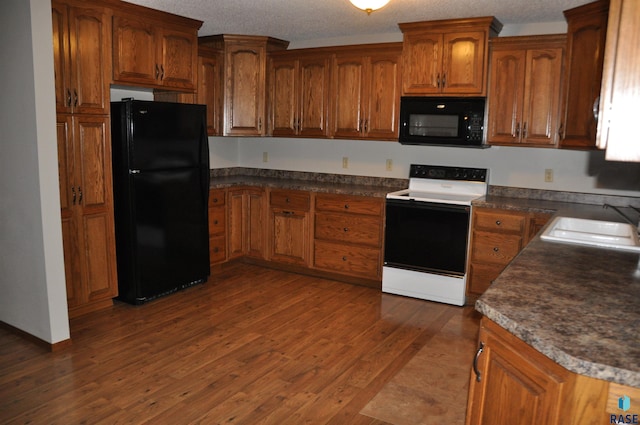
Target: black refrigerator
x,y
161,186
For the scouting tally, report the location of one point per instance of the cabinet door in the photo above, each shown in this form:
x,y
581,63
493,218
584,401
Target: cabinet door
x,y
290,236
422,63
210,91
178,58
382,97
237,224
617,121
463,65
256,217
506,87
245,90
346,94
95,200
313,96
134,51
541,96
517,384
283,103
585,54
61,57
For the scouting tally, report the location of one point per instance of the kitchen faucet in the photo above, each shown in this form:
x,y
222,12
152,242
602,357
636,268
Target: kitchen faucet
x,y
623,215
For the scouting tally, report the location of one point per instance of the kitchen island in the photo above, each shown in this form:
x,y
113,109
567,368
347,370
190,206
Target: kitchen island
x,y
576,309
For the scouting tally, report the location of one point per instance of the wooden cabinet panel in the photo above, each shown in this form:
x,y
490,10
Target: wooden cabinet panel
x,y
246,222
517,384
352,204
290,227
210,88
217,226
244,90
617,121
288,199
365,93
84,159
82,62
217,249
497,236
348,259
463,63
586,32
524,88
349,228
150,53
446,57
283,98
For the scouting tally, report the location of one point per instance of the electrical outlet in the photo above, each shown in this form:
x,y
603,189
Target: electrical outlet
x,y
345,162
265,156
389,165
548,175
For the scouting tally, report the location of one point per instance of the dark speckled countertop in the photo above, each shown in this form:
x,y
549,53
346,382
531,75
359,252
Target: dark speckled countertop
x,y
579,306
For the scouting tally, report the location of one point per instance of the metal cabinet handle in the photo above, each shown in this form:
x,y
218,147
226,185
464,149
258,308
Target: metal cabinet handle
x,y
215,221
344,258
475,362
288,212
75,97
498,222
68,97
346,229
346,206
260,124
161,72
444,80
73,198
79,195
215,249
438,81
596,108
157,71
496,249
561,131
524,130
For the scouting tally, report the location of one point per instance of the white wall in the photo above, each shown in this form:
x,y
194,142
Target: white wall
x,y
32,280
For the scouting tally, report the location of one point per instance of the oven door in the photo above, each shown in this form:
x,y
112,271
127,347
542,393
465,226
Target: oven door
x,y
426,237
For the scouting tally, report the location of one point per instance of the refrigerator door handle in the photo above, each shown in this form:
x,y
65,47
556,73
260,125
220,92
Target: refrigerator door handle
x,y
134,171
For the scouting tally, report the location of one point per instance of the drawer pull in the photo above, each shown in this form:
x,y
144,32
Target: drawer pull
x,y
475,362
346,229
344,258
496,249
215,221
215,249
498,222
288,212
215,200
346,206
287,200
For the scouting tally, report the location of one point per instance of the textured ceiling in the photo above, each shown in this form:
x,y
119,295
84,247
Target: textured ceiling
x,y
296,20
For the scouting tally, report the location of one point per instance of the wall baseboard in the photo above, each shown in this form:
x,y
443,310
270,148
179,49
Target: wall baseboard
x,y
58,346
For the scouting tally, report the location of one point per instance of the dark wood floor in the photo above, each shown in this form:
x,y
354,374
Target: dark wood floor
x,y
252,346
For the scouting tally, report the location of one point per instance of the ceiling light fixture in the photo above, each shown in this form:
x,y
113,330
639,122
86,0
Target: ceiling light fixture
x,y
369,5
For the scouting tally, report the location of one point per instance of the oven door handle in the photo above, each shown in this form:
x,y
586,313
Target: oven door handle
x,y
409,203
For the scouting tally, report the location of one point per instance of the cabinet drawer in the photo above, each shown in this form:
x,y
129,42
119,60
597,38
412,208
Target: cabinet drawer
x,y
216,198
495,248
348,259
290,200
216,221
365,230
482,275
352,204
217,250
499,221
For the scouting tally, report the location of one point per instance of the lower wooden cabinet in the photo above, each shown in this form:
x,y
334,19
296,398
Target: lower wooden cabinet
x,y
217,226
513,383
289,227
348,235
497,236
246,222
86,200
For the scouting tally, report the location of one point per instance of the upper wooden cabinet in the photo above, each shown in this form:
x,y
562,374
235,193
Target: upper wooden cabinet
x,y
365,92
524,90
155,53
617,121
244,77
299,94
586,31
82,61
210,69
447,57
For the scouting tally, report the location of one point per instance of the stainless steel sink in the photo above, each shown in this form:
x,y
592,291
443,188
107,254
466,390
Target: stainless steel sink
x,y
597,233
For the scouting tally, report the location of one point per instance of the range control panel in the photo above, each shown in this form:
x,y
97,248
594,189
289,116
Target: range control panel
x,y
440,172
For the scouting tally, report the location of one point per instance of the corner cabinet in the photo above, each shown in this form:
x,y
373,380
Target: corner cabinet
x,y
617,122
155,53
497,236
524,90
447,57
365,92
244,79
586,31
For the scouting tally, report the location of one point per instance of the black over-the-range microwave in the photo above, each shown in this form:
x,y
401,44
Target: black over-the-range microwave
x,y
445,121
